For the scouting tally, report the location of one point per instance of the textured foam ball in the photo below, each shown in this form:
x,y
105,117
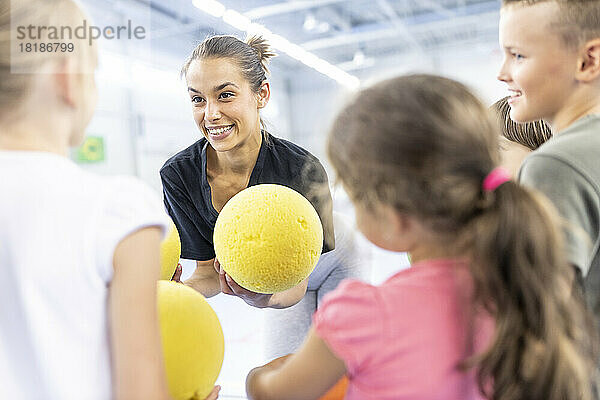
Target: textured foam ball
x,y
268,238
192,341
170,251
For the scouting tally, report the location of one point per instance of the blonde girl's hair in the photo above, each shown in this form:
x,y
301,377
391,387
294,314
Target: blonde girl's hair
x,y
17,66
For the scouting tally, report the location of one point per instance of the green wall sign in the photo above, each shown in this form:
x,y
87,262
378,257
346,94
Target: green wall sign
x,y
92,150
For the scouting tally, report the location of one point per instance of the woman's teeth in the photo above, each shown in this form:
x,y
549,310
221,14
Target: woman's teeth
x,y
219,131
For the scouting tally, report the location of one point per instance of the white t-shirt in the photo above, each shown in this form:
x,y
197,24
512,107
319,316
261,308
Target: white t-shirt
x,y
59,226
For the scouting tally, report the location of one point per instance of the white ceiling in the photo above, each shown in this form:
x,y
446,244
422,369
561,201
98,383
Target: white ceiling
x,y
354,35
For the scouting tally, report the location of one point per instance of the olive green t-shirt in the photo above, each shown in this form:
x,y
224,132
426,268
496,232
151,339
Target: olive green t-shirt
x,y
567,170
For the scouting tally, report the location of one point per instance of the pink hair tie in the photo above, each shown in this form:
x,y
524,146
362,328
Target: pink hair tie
x,y
495,178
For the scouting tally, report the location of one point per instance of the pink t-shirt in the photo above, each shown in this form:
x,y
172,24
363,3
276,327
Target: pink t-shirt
x,y
405,338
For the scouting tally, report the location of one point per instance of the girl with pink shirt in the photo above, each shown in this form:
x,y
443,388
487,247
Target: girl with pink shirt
x,y
486,311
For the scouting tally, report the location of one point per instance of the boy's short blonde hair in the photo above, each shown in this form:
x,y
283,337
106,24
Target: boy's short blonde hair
x,y
529,134
577,22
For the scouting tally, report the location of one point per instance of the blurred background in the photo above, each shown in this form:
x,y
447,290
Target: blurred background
x,y
327,49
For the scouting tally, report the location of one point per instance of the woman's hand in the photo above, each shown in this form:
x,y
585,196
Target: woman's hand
x,y
230,287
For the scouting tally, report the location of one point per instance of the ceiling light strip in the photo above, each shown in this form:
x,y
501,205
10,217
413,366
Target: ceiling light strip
x,y
241,22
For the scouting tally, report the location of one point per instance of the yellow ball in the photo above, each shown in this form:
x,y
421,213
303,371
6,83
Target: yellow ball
x,y
192,340
268,238
170,251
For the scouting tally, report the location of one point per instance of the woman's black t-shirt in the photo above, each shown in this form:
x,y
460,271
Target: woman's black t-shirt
x,y
187,193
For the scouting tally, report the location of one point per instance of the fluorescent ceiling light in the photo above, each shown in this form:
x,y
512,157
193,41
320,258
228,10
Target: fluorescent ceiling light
x,y
359,58
211,7
237,20
310,22
243,23
258,29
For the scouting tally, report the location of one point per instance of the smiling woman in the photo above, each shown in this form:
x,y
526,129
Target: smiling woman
x,y
227,87
225,105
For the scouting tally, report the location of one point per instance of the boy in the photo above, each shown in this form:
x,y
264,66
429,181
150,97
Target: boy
x,y
552,69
